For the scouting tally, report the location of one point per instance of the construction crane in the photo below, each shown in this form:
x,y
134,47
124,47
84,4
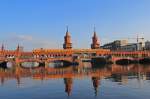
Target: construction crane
x,y
137,39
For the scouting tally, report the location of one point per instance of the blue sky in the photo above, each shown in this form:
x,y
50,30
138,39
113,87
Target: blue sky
x,y
42,23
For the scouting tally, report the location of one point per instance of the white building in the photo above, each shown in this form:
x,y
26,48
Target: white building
x,y
115,45
132,47
147,45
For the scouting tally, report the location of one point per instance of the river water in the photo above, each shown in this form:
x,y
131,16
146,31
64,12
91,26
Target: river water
x,y
76,82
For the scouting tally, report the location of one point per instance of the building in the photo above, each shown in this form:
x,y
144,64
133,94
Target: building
x,y
132,47
115,45
123,45
147,45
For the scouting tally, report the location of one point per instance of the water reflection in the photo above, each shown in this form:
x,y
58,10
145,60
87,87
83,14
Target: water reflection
x,y
68,85
115,73
96,83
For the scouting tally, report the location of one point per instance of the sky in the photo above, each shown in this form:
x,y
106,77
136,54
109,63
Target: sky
x,y
42,23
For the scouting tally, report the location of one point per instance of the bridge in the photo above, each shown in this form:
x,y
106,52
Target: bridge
x,y
69,55
69,59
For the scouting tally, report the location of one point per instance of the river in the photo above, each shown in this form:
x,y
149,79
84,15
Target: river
x,y
76,82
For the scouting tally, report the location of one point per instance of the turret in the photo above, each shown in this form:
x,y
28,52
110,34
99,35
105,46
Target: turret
x,y
95,43
67,41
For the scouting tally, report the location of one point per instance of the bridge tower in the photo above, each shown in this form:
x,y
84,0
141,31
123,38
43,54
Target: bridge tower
x,y
67,41
95,43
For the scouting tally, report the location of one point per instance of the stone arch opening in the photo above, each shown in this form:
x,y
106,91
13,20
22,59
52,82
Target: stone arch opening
x,y
124,61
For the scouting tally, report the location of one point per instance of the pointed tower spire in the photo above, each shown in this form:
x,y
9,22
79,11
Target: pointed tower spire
x,y
94,29
95,44
95,32
18,47
2,48
95,36
67,31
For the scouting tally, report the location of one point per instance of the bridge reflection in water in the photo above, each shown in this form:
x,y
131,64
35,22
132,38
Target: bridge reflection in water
x,y
115,73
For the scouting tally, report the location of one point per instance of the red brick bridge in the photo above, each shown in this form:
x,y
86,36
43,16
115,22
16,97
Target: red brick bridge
x,y
48,55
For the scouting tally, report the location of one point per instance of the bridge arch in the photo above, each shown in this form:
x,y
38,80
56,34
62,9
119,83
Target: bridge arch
x,y
124,61
64,61
144,61
7,64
